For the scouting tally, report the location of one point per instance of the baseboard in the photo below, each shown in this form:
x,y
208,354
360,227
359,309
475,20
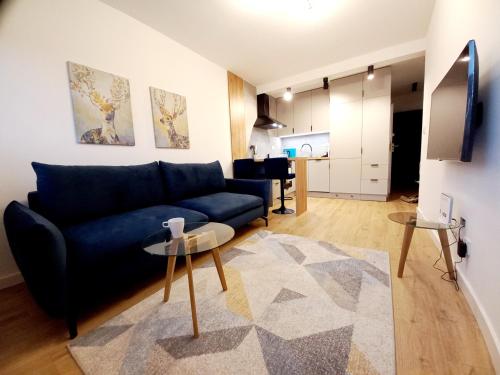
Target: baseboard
x,y
10,280
485,325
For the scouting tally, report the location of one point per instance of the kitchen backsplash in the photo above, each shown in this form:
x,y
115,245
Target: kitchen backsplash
x,y
320,144
264,143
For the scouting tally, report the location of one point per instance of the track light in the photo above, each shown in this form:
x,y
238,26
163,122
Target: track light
x,y
325,83
371,74
288,94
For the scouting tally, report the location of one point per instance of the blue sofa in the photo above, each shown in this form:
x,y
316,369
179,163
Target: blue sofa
x,y
80,238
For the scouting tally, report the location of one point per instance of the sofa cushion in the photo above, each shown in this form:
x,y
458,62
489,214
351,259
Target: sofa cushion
x,y
184,181
109,238
72,194
222,206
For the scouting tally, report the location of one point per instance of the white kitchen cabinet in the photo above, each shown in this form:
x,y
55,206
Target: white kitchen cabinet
x,y
360,135
348,89
380,85
302,112
345,176
374,186
318,175
320,110
376,130
346,127
284,114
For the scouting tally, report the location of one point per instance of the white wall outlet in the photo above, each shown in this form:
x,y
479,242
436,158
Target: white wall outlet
x,y
445,209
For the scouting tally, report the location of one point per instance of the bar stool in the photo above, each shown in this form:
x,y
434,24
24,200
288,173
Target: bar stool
x,y
277,169
244,168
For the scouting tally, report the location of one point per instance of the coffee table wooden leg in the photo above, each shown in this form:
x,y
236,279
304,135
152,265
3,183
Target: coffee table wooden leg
x,y
189,268
443,238
218,265
169,276
405,248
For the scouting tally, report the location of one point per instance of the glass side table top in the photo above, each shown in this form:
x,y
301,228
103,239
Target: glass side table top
x,y
198,237
411,218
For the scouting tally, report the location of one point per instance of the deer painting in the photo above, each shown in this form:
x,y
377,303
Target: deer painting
x,y
170,119
102,96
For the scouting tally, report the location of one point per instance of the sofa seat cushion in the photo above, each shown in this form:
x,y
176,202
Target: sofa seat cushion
x,y
222,206
106,239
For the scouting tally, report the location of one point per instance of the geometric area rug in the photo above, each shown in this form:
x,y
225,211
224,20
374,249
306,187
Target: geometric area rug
x,y
293,306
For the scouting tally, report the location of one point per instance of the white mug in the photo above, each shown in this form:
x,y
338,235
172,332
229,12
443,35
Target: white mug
x,y
176,226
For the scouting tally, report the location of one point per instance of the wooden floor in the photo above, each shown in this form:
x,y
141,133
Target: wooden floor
x,y
436,332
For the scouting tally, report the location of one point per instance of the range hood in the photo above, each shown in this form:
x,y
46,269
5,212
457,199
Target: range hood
x,y
264,120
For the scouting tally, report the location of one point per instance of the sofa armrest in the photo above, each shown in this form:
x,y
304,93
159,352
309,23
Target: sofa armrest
x,y
260,188
39,249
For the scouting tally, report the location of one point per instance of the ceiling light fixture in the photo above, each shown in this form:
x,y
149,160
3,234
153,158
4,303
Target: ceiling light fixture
x,y
288,94
371,73
325,83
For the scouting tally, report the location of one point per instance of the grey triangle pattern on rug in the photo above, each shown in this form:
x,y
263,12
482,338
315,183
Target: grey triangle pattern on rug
x,y
101,336
227,256
210,342
332,248
344,271
321,353
287,295
294,252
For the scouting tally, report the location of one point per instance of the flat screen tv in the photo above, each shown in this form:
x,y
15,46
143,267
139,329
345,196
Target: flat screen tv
x,y
453,109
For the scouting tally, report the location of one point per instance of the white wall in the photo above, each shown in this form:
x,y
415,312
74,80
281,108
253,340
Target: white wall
x,y
475,186
38,37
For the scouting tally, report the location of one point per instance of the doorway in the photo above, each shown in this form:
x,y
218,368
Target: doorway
x,y
407,139
407,96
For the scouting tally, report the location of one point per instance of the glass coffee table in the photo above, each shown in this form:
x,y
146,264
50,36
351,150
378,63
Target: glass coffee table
x,y
411,221
198,238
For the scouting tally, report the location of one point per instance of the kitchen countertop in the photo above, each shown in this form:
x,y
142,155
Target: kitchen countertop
x,y
303,157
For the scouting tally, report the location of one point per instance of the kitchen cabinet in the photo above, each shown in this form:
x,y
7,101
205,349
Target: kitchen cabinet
x,y
320,110
345,176
307,112
360,135
318,175
346,128
302,112
284,114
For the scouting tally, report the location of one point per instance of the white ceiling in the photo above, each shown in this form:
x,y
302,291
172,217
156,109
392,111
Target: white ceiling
x,y
265,40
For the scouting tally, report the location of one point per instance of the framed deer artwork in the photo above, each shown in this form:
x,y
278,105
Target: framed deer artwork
x,y
170,121
101,106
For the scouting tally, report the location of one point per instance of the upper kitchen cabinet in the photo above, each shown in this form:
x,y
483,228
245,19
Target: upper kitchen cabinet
x,y
380,85
320,110
284,114
345,90
302,112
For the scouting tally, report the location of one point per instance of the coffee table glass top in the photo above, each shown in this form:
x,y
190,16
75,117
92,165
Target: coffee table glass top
x,y
198,237
411,218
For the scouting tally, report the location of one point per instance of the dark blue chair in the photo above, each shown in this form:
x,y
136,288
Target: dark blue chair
x,y
277,169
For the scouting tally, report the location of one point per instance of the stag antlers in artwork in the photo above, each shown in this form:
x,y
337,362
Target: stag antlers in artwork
x,y
83,82
169,116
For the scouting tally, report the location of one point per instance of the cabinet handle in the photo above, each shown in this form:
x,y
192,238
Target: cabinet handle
x,y
374,165
374,179
311,128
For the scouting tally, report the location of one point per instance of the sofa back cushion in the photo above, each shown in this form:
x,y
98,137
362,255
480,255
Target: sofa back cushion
x,y
191,180
73,194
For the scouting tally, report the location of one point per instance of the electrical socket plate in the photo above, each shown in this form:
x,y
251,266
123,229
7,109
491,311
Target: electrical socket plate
x,y
445,209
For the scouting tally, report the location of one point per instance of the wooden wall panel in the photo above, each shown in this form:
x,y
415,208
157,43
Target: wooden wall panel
x,y
237,116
